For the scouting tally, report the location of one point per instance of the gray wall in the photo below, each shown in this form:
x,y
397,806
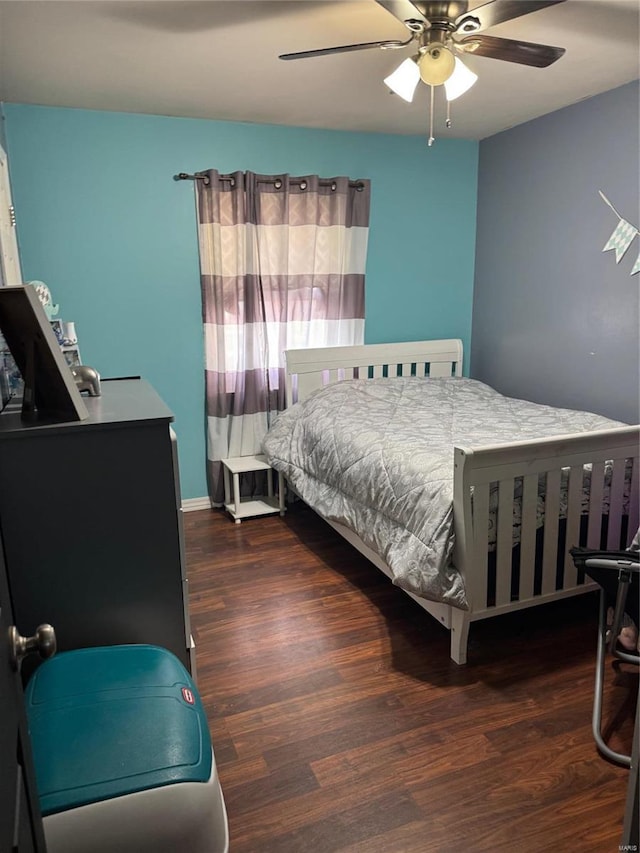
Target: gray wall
x,y
555,320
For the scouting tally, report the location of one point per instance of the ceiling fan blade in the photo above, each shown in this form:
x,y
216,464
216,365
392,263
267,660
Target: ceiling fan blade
x,y
509,50
345,48
499,11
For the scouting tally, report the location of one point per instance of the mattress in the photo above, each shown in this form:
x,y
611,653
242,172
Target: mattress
x,y
376,455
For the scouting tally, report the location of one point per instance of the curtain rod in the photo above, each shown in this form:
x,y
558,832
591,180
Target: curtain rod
x,y
201,176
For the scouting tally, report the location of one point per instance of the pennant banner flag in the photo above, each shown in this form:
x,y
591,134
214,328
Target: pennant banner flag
x,y
622,237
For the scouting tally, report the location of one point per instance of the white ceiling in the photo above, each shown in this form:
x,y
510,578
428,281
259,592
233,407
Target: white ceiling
x,y
219,59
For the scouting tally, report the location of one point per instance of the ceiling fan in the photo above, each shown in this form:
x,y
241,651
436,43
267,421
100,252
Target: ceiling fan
x,y
441,29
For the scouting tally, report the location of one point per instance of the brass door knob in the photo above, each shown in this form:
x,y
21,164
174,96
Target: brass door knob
x,y
43,642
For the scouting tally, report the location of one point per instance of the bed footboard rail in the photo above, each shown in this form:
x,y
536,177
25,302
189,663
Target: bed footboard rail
x,y
519,508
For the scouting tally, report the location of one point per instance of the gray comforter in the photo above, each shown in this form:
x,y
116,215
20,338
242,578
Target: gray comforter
x,y
376,455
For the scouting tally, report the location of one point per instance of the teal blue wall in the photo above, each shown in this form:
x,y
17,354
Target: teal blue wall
x,y
103,223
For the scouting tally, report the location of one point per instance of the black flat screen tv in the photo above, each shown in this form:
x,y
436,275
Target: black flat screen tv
x,y
50,391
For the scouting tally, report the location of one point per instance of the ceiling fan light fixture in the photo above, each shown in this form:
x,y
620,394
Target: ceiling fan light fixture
x,y
436,64
460,81
404,79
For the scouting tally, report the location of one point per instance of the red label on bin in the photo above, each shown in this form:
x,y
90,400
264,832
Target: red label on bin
x,y
188,696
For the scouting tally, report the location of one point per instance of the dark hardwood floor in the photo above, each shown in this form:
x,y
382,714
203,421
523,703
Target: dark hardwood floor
x,y
340,723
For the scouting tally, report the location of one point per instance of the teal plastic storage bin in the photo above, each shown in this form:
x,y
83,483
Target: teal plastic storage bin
x,y
122,730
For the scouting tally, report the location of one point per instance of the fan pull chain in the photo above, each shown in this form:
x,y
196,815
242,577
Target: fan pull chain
x,y
431,136
448,121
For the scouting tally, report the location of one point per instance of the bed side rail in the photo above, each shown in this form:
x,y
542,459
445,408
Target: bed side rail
x,y
558,488
310,369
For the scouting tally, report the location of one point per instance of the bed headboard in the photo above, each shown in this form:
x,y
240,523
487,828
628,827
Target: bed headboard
x,y
310,369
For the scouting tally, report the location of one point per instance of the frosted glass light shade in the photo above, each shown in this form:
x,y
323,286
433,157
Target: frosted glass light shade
x,y
436,65
460,81
404,79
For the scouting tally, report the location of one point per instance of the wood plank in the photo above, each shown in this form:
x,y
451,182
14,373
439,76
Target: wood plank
x,y
596,493
439,369
528,535
306,383
496,462
574,507
504,541
551,524
314,359
615,505
478,577
634,500
340,723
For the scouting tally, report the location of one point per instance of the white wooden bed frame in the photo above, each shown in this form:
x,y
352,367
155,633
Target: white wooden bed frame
x,y
475,469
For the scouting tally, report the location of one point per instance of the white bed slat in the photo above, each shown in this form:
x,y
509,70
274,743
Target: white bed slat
x,y
550,543
528,535
479,568
421,369
634,500
596,492
440,369
615,504
306,384
406,369
288,385
574,505
377,371
504,541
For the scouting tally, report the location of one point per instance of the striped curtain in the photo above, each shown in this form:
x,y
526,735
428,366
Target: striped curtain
x,y
282,264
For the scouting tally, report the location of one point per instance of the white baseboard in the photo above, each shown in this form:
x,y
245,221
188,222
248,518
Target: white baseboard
x,y
193,504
